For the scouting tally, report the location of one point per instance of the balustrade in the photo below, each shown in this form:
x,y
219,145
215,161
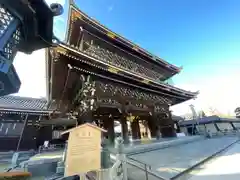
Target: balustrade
x,y
113,89
116,57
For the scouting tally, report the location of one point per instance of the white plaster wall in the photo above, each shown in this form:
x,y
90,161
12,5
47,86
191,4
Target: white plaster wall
x,y
211,128
223,126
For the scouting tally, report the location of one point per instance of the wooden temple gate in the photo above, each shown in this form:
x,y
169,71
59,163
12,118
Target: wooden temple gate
x,y
98,76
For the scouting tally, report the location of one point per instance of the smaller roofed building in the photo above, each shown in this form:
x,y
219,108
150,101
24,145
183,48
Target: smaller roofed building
x,y
213,124
20,125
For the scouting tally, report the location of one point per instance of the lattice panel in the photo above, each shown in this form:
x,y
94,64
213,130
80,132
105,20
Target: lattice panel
x,y
5,19
108,101
160,109
139,105
120,61
112,89
10,49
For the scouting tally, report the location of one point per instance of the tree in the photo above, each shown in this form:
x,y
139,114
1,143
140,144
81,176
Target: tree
x,y
237,112
201,114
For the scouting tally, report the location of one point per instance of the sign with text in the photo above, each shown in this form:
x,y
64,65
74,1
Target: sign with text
x,y
84,149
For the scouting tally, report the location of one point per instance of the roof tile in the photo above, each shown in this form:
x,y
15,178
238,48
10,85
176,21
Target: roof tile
x,y
17,102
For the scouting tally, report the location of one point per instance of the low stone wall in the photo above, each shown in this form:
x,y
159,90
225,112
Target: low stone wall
x,y
161,144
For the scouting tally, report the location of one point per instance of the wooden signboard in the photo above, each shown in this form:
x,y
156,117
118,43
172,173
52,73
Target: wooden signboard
x,y
84,149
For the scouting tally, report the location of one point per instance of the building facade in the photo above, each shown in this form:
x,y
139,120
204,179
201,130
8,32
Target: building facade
x,y
211,124
99,76
20,123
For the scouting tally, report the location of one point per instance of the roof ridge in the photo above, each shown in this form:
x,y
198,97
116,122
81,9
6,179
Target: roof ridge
x,y
23,103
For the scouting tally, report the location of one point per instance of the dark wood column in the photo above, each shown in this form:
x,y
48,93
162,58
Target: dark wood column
x,y
171,123
152,127
135,129
108,124
79,120
178,127
167,125
124,125
87,117
44,134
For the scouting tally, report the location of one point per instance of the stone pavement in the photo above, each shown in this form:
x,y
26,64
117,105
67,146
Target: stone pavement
x,y
171,161
224,167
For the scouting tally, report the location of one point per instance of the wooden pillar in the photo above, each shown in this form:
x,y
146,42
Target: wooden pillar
x,y
79,120
178,127
44,134
152,127
135,129
87,117
108,124
172,130
167,125
124,126
138,129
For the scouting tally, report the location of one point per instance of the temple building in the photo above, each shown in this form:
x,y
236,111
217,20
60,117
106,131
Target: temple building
x,y
20,123
212,124
98,76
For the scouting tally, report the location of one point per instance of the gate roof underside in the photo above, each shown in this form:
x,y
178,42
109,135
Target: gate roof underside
x,y
66,65
81,26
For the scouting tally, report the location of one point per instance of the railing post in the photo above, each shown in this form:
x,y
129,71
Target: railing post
x,y
146,171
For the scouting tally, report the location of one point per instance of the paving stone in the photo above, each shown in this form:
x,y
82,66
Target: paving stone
x,y
170,161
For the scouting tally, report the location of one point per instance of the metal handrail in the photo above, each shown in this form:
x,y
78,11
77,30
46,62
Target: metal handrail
x,y
142,163
147,172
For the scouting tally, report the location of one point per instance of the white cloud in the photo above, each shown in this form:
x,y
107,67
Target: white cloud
x,y
32,73
221,92
62,2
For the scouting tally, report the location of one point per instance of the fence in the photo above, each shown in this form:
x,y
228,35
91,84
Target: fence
x,y
140,170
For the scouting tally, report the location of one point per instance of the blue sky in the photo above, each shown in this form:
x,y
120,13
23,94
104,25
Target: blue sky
x,y
200,35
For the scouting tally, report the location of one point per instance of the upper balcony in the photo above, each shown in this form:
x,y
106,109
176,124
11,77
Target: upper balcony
x,y
92,38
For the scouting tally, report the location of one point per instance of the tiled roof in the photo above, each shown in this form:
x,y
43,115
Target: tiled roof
x,y
22,103
208,119
177,118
